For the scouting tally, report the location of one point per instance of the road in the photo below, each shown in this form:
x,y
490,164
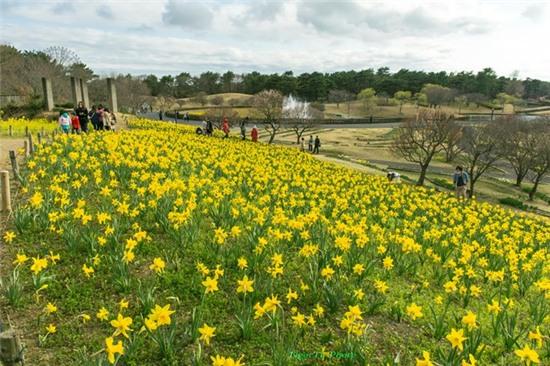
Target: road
x,y
155,116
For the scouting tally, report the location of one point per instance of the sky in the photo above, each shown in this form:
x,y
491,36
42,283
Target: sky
x,y
172,36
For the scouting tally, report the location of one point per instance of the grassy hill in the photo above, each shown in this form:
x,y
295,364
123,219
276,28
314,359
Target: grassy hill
x,y
156,246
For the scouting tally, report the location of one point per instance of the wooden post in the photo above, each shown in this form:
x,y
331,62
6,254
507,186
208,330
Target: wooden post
x,y
43,131
10,130
39,138
26,144
26,131
31,145
14,165
11,353
5,183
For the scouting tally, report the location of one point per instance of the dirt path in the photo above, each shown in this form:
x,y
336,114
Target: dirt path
x,y
7,144
350,165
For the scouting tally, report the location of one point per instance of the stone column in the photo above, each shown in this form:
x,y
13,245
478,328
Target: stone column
x,y
48,94
84,90
112,95
75,90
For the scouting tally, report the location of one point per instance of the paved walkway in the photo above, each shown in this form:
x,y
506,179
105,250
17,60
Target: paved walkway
x,y
155,116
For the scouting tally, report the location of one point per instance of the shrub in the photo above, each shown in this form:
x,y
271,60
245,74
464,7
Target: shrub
x,y
443,183
319,106
510,201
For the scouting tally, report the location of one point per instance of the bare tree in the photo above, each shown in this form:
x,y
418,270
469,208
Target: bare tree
x,y
437,94
200,98
451,144
339,96
479,150
132,93
461,101
269,103
516,145
62,56
216,115
540,165
217,100
302,125
419,139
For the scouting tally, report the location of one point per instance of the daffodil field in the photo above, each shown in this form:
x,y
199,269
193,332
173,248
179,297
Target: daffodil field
x,y
20,125
156,246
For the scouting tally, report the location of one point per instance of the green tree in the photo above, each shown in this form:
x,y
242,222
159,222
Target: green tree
x,y
402,96
367,97
421,99
227,81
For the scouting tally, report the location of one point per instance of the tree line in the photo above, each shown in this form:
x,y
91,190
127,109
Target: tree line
x,y
338,86
22,71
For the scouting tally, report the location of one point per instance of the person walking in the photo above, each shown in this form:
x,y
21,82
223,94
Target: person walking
x,y
317,145
209,127
460,181
65,122
94,117
100,122
177,116
310,143
82,113
107,119
160,115
303,144
243,128
254,134
225,127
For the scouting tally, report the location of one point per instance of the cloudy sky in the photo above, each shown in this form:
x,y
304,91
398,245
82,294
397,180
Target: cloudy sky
x,y
171,36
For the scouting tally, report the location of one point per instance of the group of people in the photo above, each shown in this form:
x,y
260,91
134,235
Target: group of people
x,y
208,129
313,145
77,121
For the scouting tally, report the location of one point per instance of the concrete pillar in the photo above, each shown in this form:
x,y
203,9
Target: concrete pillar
x,y
75,90
48,94
84,90
113,105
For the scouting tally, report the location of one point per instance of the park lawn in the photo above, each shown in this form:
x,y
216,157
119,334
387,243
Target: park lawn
x,y
357,110
241,111
190,103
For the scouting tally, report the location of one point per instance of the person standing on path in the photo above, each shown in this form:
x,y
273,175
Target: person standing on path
x,y
317,145
209,127
82,113
94,117
310,143
160,115
254,134
303,144
460,181
243,128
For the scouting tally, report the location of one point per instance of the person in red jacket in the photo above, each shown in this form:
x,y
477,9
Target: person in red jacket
x,y
254,134
225,127
75,122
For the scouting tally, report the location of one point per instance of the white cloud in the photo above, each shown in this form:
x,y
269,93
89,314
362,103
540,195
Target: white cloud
x,y
188,14
171,36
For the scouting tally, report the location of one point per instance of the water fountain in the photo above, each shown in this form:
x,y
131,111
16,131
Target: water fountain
x,y
295,109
